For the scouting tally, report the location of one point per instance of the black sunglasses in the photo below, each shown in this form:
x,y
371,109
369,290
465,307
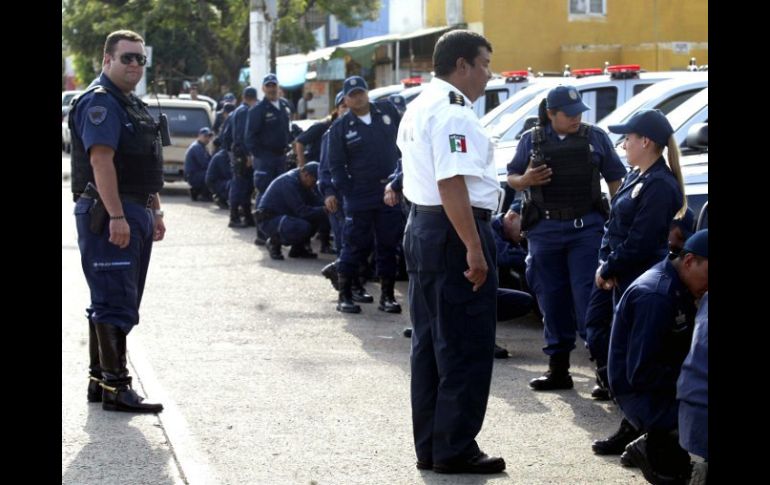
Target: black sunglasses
x,y
126,59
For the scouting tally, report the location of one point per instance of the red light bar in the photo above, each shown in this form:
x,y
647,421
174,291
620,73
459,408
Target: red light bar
x,y
411,81
586,72
624,68
514,73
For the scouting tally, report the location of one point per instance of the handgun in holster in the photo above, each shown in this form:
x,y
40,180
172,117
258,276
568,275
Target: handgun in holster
x,y
97,213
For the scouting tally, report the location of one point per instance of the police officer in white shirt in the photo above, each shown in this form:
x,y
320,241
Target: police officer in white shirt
x,y
450,178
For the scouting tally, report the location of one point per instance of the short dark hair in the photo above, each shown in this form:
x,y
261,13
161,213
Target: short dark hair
x,y
454,45
117,36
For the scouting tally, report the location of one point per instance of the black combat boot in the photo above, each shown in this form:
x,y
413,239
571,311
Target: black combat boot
x,y
221,202
616,443
326,244
345,300
235,218
274,246
601,391
557,377
330,272
387,298
194,194
660,458
248,217
302,251
94,367
359,292
118,394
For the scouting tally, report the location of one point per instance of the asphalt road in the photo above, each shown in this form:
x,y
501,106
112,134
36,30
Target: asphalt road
x,y
265,383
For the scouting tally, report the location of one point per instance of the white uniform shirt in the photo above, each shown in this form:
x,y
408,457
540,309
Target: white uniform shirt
x,y
440,139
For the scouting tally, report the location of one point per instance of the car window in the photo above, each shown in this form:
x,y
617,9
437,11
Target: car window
x,y
638,88
671,103
493,99
183,121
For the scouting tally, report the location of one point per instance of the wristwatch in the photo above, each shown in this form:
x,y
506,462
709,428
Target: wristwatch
x,y
158,212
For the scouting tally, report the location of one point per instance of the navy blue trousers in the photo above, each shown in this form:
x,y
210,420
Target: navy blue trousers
x,y
387,224
453,337
115,276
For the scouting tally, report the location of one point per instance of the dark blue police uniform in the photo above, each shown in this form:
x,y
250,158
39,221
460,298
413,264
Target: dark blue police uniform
x,y
219,174
650,338
692,388
561,261
361,157
311,139
243,175
291,211
267,137
104,115
326,188
196,162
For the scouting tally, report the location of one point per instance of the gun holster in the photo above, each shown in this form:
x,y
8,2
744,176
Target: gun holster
x,y
98,217
604,206
530,212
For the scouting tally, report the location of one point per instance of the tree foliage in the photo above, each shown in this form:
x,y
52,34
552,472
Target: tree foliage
x,y
192,38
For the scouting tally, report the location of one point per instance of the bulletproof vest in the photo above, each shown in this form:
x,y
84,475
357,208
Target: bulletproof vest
x,y
139,157
575,181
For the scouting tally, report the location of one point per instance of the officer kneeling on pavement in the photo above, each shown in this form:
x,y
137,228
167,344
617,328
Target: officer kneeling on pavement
x,y
650,338
291,211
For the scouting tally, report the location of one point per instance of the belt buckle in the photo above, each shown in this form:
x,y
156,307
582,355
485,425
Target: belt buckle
x,y
575,223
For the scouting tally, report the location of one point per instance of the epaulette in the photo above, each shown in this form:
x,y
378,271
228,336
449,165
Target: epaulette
x,y
455,98
100,90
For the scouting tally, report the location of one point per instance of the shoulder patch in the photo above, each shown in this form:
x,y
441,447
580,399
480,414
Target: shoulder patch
x,y
455,98
97,114
457,143
100,90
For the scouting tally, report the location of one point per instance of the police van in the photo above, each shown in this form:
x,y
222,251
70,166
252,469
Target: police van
x,y
602,92
497,91
185,118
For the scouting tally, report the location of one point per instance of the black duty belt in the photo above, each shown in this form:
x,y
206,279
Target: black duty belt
x,y
483,214
143,200
567,213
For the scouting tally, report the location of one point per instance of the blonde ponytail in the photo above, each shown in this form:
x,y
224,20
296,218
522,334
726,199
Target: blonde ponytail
x,y
673,162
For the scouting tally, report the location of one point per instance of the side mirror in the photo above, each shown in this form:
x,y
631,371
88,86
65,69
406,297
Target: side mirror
x,y
698,137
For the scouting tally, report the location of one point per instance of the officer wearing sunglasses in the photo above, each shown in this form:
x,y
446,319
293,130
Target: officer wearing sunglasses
x,y
117,171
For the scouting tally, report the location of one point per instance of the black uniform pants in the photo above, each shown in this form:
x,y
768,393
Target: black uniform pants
x,y
453,337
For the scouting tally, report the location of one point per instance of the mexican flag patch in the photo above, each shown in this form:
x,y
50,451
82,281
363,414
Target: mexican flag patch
x,y
457,143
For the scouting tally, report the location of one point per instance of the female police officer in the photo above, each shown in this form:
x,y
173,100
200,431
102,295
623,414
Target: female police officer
x,y
637,233
559,163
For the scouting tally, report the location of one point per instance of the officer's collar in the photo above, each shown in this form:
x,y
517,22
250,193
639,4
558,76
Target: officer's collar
x,y
445,86
107,83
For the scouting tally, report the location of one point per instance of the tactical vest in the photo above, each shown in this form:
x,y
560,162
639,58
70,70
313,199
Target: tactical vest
x,y
574,190
139,157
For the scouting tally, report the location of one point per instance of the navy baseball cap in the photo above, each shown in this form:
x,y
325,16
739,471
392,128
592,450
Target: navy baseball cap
x,y
338,99
651,123
697,244
228,97
311,168
566,99
205,131
686,223
354,83
270,78
250,92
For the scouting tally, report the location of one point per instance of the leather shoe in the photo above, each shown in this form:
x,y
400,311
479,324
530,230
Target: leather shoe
x,y
616,443
552,381
625,460
480,463
407,332
638,454
600,393
500,353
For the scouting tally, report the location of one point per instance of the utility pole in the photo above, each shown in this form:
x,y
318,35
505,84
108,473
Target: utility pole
x,y
262,14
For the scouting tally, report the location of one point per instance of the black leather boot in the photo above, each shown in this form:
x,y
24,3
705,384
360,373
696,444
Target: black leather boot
x,y
94,367
359,292
616,443
660,458
345,300
387,297
274,246
557,377
303,251
248,216
117,393
601,391
235,218
330,272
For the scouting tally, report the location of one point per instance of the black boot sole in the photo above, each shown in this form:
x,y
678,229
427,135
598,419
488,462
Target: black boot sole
x,y
348,310
115,407
389,309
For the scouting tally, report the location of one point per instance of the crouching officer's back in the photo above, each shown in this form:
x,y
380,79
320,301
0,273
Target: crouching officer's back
x,y
291,211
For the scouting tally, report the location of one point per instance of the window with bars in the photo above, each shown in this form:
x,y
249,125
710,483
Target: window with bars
x,y
588,7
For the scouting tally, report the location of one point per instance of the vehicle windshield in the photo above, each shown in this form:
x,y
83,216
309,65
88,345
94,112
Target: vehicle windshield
x,y
183,121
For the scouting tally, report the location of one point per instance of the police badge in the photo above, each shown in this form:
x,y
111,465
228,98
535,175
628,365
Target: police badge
x,y
635,192
386,119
